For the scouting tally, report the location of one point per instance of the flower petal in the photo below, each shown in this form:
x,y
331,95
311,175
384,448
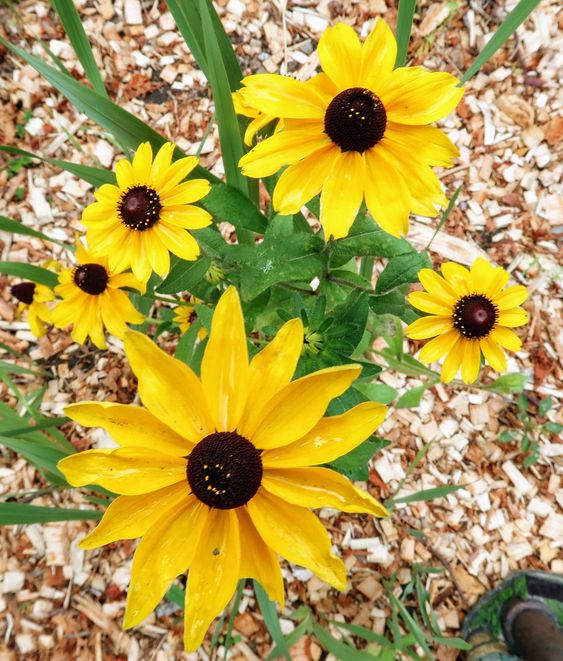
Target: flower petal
x,y
124,174
118,280
458,276
178,171
130,426
426,327
161,165
437,286
168,388
186,193
271,370
511,297
213,574
259,561
427,303
342,194
282,96
437,347
453,361
320,487
165,551
178,241
329,439
379,52
128,517
471,363
340,55
142,162
494,355
186,216
512,318
297,535
431,146
295,410
506,338
483,273
127,471
224,368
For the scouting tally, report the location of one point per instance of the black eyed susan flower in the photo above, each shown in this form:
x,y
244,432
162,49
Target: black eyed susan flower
x,y
186,314
92,299
470,313
356,131
34,298
217,474
143,219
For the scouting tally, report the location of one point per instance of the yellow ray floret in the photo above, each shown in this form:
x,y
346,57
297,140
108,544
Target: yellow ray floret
x,y
218,474
33,298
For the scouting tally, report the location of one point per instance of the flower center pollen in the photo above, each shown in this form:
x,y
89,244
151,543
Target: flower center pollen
x,y
139,208
224,470
355,119
91,278
24,292
474,316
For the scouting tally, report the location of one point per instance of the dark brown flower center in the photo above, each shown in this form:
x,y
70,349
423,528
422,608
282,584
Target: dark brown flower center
x,y
24,292
139,208
224,470
91,278
475,316
355,119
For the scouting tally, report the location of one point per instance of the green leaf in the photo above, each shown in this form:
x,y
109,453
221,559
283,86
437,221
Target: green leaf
x,y
508,27
395,303
226,203
412,397
446,214
401,270
508,383
271,620
427,494
377,392
12,514
176,595
13,227
341,650
455,643
553,427
72,24
29,272
411,624
354,465
545,405
185,276
404,27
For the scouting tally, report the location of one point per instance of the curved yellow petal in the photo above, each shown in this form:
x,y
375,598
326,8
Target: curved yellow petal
x,y
213,574
512,318
118,280
178,241
329,439
259,561
295,410
483,273
497,282
161,164
494,355
437,286
427,303
506,338
342,194
271,369
186,216
186,193
511,297
379,52
471,364
128,517
426,327
168,388
130,426
282,96
124,174
178,171
458,277
166,550
453,361
224,368
297,535
437,347
108,193
117,310
431,146
320,487
142,162
340,55
127,471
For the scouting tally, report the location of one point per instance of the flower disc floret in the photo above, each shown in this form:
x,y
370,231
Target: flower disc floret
x,y
24,292
475,316
139,208
91,278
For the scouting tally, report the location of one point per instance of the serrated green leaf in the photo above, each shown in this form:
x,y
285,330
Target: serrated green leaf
x,y
401,270
29,272
12,514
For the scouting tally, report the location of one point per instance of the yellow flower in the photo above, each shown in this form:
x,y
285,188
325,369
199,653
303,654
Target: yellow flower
x,y
186,314
470,312
217,473
92,299
34,298
357,131
138,222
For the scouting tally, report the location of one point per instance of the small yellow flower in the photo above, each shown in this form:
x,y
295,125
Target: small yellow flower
x,y
217,474
470,312
34,298
92,299
186,314
145,217
356,131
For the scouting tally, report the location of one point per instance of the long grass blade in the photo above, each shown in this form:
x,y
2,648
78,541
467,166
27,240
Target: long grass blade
x,y
271,620
13,227
404,27
29,272
12,514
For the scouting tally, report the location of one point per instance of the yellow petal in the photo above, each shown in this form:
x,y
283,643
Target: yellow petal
x,y
437,347
342,194
256,125
127,471
117,310
379,53
428,327
118,280
282,149
494,355
178,241
224,368
458,276
142,162
282,96
437,286
178,171
299,406
156,251
271,370
412,95
431,146
453,361
161,164
186,193
124,174
186,216
320,487
511,297
213,574
297,535
301,181
168,388
166,550
512,318
340,55
483,273
471,364
427,303
506,338
259,561
497,283
108,193
130,426
329,439
128,517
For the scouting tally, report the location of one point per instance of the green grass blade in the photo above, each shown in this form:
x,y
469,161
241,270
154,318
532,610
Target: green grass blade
x,y
340,650
30,272
427,494
75,31
270,615
12,514
404,27
445,215
507,28
46,424
411,624
13,227
176,595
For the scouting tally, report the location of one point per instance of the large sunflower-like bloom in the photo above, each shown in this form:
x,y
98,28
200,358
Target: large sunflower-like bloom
x,y
92,299
217,473
145,217
471,313
359,132
34,298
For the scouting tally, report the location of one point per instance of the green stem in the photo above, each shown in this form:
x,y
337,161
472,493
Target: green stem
x,y
366,267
